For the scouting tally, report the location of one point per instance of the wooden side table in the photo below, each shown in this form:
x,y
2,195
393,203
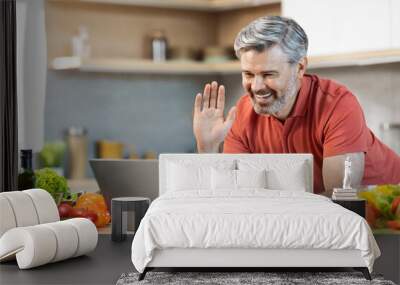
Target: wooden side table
x,y
119,208
356,205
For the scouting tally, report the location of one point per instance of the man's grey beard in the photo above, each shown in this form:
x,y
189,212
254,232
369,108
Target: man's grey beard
x,y
279,103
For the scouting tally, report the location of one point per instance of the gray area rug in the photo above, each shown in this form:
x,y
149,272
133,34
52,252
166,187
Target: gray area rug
x,y
229,278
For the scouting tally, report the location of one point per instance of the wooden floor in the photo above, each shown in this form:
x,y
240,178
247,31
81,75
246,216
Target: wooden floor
x,y
111,259
102,266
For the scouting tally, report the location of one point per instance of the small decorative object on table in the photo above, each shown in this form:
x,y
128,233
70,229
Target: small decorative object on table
x,y
347,196
119,207
346,192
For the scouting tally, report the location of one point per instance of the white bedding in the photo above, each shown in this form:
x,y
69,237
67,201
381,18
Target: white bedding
x,y
251,218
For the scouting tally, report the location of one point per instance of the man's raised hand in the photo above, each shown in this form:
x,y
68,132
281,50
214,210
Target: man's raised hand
x,y
209,126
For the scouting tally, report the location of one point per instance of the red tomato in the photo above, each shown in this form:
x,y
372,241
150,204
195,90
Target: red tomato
x,y
395,204
91,216
78,212
64,209
394,225
95,203
371,214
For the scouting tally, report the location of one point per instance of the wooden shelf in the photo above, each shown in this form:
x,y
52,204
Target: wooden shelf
x,y
124,31
355,59
127,65
199,5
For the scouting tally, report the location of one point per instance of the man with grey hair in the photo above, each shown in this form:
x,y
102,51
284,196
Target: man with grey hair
x,y
285,110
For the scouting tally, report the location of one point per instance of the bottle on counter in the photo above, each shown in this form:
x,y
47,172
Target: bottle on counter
x,y
159,46
26,176
77,152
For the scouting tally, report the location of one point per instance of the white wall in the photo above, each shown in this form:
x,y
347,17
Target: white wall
x,y
395,18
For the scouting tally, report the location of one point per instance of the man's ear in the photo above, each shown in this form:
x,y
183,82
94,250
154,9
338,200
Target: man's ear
x,y
302,66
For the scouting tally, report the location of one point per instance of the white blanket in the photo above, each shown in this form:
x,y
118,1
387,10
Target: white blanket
x,y
250,218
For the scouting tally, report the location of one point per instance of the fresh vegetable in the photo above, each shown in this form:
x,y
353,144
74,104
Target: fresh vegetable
x,y
52,154
84,213
91,216
96,203
53,183
396,206
103,218
77,212
372,213
383,206
64,209
394,225
70,197
93,201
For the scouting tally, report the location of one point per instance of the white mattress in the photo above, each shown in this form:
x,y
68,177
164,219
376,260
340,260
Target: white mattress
x,y
252,218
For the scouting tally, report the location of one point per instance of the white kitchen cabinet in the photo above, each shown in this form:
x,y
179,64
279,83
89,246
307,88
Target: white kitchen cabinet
x,y
342,26
395,18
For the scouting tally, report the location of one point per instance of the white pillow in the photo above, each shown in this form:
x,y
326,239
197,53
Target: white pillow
x,y
282,174
187,175
223,179
237,179
294,179
251,178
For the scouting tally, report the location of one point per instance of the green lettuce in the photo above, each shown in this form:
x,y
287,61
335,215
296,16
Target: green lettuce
x,y
53,183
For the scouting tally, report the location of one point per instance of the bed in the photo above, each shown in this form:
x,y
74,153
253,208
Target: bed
x,y
246,211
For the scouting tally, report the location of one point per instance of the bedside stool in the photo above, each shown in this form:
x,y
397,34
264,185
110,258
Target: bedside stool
x,y
356,205
119,208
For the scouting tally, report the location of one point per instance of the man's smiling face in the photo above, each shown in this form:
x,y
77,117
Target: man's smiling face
x,y
270,80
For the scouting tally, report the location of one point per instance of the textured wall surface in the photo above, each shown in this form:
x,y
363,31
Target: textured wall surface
x,y
151,112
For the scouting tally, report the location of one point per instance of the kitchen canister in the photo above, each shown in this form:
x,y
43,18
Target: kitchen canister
x,y
109,149
159,46
77,145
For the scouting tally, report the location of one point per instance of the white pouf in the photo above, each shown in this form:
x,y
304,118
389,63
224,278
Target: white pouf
x,y
23,208
7,218
37,245
31,230
45,206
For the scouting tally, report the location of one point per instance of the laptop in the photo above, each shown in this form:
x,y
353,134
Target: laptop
x,y
126,177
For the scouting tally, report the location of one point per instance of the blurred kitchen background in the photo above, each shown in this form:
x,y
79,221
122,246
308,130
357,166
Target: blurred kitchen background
x,y
117,78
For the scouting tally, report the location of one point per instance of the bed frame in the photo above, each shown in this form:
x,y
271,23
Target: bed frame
x,y
248,258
